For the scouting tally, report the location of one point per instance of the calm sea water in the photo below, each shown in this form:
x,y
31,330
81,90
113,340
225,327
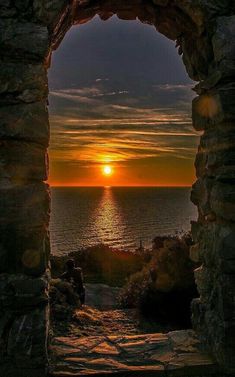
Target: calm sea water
x,y
117,216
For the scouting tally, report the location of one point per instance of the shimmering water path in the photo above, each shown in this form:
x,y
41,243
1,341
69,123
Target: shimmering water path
x,y
117,216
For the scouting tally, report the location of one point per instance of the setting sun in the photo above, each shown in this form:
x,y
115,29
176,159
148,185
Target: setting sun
x,y
107,170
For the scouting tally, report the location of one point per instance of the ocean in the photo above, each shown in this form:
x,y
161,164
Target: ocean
x,y
117,216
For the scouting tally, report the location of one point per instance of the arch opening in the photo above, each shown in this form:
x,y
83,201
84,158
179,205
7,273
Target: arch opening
x,y
111,222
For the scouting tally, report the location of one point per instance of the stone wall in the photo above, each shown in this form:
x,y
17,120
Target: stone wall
x,y
24,197
214,194
204,32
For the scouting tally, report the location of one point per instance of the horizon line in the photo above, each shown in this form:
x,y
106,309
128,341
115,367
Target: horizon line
x,y
102,186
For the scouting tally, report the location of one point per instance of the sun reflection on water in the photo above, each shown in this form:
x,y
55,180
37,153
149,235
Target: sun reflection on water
x,y
115,216
108,218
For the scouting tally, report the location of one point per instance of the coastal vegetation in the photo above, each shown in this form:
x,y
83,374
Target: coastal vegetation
x,y
101,264
165,286
158,283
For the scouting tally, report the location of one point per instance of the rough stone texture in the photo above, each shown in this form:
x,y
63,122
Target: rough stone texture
x,y
24,253
29,31
18,38
24,238
223,46
214,108
24,325
213,111
19,290
23,344
24,205
22,82
25,122
177,353
20,161
223,200
49,12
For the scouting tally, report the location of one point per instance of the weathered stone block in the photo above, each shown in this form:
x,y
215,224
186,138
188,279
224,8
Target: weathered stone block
x,y
214,246
6,9
22,82
171,24
201,163
205,110
25,206
20,292
217,153
195,253
23,6
224,39
198,316
226,299
49,11
24,39
220,164
214,108
24,251
200,194
209,325
24,220
196,228
207,241
223,200
224,248
210,82
204,281
226,174
227,348
195,12
22,162
218,138
226,242
27,122
227,266
26,341
197,53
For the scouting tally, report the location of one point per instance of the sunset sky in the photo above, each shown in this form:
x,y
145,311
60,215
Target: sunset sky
x,y
120,96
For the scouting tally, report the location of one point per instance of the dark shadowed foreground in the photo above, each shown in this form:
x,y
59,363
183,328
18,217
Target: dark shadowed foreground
x,y
122,330
150,290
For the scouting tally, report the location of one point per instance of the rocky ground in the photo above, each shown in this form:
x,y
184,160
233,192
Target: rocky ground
x,y
100,338
102,315
174,354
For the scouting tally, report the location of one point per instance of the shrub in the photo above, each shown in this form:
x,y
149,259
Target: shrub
x,y
165,287
101,264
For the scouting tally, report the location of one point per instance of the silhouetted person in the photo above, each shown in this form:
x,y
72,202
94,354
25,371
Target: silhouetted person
x,y
75,277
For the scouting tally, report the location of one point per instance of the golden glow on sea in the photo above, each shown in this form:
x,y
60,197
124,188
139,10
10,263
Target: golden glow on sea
x,y
162,172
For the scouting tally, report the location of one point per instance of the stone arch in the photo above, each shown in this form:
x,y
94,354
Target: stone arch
x,y
204,32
